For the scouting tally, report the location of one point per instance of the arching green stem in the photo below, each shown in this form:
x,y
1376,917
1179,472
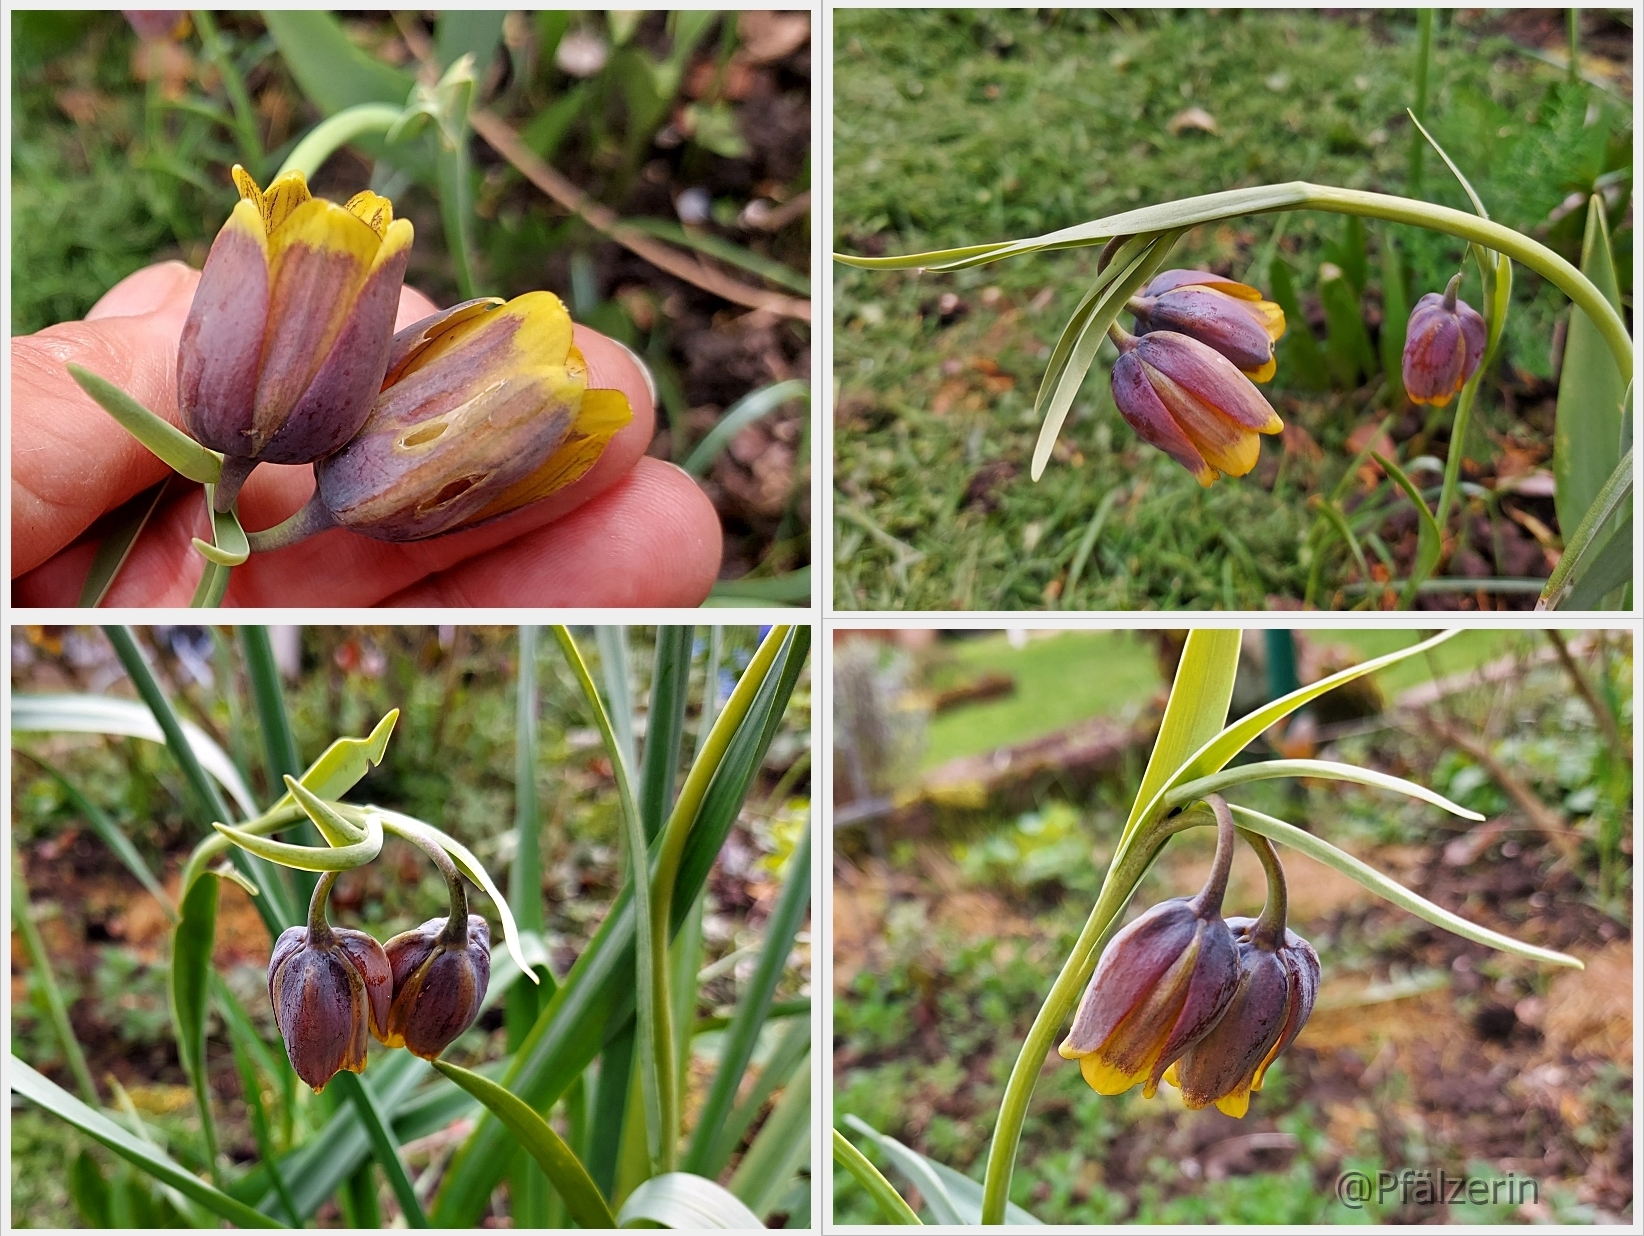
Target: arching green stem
x,y
1269,929
335,132
456,927
311,518
319,927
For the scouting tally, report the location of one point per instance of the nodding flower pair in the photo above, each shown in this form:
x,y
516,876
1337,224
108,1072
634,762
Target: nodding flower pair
x,y
1206,1004
330,985
1185,381
289,356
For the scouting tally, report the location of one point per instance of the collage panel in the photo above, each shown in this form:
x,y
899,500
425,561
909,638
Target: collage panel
x,y
1255,310
1270,927
438,309
337,926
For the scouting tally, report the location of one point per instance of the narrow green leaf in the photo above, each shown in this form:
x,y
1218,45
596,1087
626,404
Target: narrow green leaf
x,y
892,1207
139,1195
1327,770
1333,516
261,1133
736,255
468,32
1587,437
175,448
1196,710
383,1147
744,412
952,1196
113,837
89,1191
1347,346
329,69
342,765
1395,317
213,586
189,989
1478,203
665,725
312,858
1602,572
790,1050
743,1033
612,642
780,1150
125,525
525,874
230,547
1431,536
563,1169
22,913
53,1098
102,714
1322,851
1583,545
1301,359
679,1199
610,1109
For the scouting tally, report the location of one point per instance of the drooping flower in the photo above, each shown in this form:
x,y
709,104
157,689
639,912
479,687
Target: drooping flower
x,y
485,408
1228,316
439,982
286,343
1161,984
329,986
1191,402
1443,345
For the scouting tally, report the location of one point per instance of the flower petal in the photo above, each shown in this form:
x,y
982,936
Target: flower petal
x,y
375,211
410,342
1211,377
1143,411
221,347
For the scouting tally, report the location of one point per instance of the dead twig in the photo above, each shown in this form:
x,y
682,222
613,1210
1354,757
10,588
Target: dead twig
x,y
1602,715
605,221
1547,821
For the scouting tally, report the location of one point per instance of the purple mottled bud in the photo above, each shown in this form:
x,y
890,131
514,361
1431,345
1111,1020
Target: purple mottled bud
x,y
1230,317
438,984
329,988
1162,983
286,343
1443,345
1191,402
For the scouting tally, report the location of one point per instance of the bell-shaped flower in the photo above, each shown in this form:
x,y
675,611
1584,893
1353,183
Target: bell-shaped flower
x,y
1191,402
485,408
1228,316
1161,984
1443,345
439,982
1278,983
329,986
286,343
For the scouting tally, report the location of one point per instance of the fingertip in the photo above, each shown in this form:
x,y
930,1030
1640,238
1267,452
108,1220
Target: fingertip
x,y
165,285
614,366
414,307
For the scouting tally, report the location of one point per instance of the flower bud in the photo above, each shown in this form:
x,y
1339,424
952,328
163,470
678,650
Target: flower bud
x,y
485,409
1274,998
1230,317
286,342
1162,983
328,987
1443,345
438,984
1191,402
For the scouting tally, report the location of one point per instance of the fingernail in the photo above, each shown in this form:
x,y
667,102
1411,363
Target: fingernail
x,y
639,362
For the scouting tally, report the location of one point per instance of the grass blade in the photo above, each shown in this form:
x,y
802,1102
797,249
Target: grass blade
x,y
665,725
383,1146
779,1151
612,643
188,990
1430,540
563,1169
53,1098
22,914
739,416
650,954
1584,543
679,1199
793,1047
891,1205
724,250
1322,851
1299,353
743,1033
917,1169
1395,318
112,836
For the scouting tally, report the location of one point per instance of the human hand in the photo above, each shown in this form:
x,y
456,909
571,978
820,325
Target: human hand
x,y
634,531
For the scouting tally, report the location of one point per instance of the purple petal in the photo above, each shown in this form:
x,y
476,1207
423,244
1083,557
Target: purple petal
x,y
1144,412
222,341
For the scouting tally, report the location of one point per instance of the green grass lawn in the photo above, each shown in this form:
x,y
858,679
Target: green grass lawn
x,y
953,128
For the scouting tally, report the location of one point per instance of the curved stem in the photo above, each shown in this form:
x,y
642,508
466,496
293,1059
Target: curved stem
x,y
311,518
335,132
456,927
1269,929
319,927
1215,887
235,471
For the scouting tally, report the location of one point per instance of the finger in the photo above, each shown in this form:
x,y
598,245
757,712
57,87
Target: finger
x,y
69,463
340,567
653,539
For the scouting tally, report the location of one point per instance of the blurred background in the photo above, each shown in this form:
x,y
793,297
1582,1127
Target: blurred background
x,y
686,134
956,127
981,782
451,761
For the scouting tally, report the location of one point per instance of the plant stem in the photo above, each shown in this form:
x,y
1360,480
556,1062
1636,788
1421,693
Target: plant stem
x,y
456,927
309,519
319,927
1269,929
245,116
335,132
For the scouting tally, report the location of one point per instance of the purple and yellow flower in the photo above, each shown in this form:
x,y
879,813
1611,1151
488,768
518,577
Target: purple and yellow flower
x,y
286,343
1278,983
1191,402
1228,316
439,983
1162,983
484,408
329,986
1443,345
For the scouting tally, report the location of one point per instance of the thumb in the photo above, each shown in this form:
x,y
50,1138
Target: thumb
x,y
69,462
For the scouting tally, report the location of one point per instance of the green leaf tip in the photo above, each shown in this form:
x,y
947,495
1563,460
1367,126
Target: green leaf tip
x,y
171,445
